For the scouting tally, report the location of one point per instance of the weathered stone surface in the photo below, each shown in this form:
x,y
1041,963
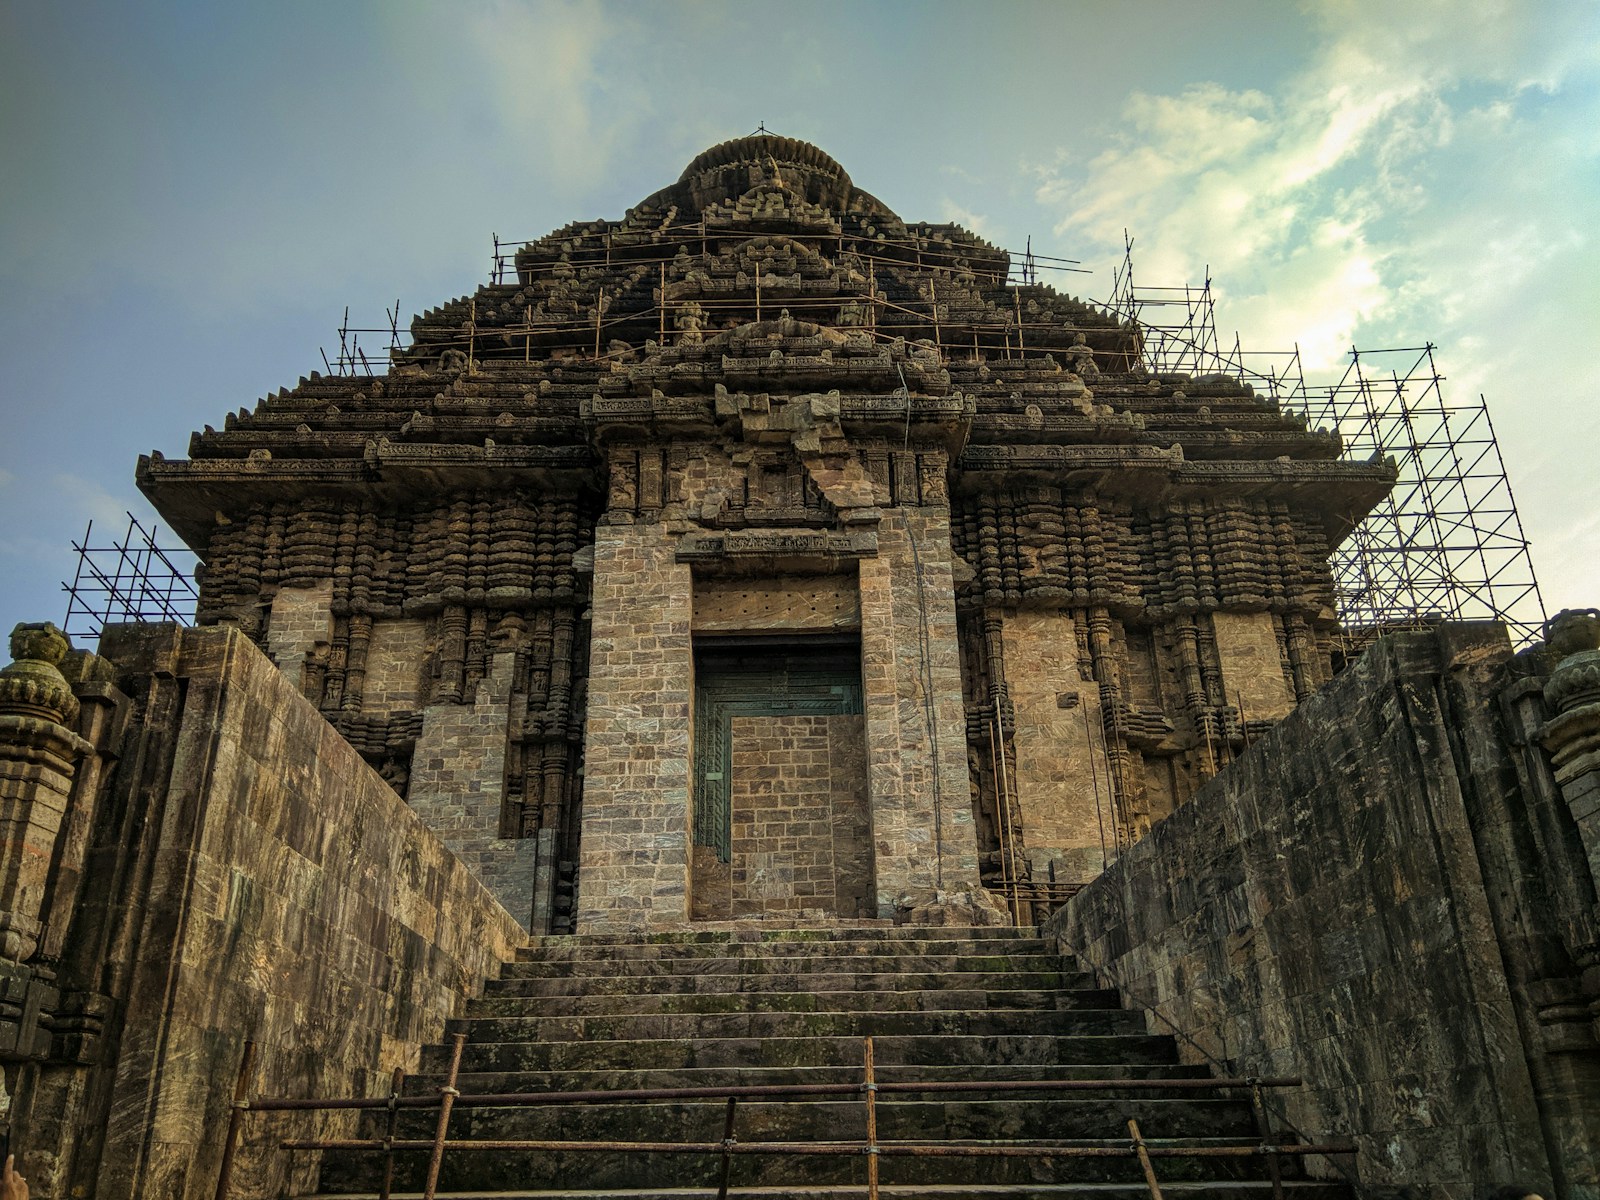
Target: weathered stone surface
x,y
396,658
827,603
301,626
801,835
280,892
1054,749
457,789
1251,663
634,870
1347,903
922,824
590,1027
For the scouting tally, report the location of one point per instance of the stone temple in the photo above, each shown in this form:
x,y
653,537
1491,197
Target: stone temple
x,y
762,492
765,564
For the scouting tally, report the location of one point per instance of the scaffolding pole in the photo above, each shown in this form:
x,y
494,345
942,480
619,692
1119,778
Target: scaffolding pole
x,y
131,580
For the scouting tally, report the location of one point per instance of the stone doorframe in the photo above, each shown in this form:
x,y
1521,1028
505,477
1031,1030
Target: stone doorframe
x,y
792,833
636,840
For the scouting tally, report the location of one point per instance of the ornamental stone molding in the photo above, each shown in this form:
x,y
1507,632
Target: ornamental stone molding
x,y
1573,735
1572,738
39,754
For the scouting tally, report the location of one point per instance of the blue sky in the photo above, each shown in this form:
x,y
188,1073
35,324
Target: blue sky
x,y
191,194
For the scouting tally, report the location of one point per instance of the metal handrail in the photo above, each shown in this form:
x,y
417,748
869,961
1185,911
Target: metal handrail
x,y
448,1097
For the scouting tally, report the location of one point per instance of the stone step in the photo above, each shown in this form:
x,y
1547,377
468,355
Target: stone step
x,y
1243,1189
819,1051
512,1004
813,964
514,1170
710,932
1034,1119
580,950
734,1005
643,1027
514,982
499,1082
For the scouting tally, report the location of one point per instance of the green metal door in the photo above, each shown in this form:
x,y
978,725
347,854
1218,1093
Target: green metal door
x,y
747,681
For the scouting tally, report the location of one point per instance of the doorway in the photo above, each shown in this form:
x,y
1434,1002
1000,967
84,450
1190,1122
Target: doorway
x,y
781,823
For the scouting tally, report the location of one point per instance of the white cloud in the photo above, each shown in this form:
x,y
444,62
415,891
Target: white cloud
x,y
544,70
1427,172
962,174
973,222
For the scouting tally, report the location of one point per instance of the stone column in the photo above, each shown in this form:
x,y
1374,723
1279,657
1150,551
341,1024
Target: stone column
x,y
1572,737
925,849
39,754
634,854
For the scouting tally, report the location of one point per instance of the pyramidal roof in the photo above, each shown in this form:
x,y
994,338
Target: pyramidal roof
x,y
762,270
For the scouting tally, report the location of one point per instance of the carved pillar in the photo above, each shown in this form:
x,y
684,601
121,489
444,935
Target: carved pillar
x,y
994,651
1126,794
549,809
333,673
1194,684
478,652
560,695
103,712
1302,650
1573,735
39,754
452,653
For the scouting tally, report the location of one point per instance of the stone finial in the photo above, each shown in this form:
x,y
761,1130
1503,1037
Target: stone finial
x,y
1572,735
39,753
33,685
1573,638
1572,630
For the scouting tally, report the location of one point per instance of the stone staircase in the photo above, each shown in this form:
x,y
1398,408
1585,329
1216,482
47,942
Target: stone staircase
x,y
719,1007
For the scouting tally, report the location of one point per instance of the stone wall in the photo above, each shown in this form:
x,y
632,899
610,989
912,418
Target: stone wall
x,y
634,853
302,620
458,782
636,847
1252,672
396,655
276,890
801,836
1351,902
1055,772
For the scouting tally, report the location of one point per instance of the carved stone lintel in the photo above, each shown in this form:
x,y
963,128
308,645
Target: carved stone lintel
x,y
795,543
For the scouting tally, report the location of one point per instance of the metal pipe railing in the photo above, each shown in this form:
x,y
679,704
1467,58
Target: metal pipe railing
x,y
1118,1148
448,1097
776,1091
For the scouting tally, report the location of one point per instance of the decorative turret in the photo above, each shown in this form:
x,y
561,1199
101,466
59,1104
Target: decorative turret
x,y
39,752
